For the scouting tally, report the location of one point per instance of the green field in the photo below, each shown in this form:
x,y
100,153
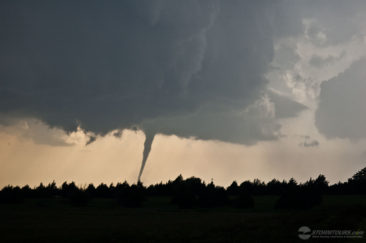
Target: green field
x,y
103,220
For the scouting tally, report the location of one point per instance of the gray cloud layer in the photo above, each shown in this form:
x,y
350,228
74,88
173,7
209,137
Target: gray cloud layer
x,y
190,68
191,64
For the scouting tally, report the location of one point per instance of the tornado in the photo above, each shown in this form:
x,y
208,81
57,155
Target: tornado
x,y
149,138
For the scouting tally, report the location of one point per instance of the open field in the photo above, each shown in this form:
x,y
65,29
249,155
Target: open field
x,y
103,220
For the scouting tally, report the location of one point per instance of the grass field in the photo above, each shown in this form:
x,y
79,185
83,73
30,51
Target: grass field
x,y
55,220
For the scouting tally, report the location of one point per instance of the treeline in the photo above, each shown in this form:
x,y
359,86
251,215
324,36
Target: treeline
x,y
193,192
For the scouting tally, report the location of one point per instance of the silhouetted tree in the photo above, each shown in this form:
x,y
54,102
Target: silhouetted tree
x,y
274,187
193,192
233,189
132,196
212,196
26,191
51,189
11,194
360,176
90,190
102,191
357,184
185,193
302,196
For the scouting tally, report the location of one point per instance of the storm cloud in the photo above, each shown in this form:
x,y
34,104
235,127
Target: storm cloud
x,y
192,68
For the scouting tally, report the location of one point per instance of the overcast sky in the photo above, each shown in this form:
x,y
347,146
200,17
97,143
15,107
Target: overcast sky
x,y
223,90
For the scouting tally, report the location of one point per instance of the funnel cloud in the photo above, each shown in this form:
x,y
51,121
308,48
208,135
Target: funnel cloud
x,y
149,138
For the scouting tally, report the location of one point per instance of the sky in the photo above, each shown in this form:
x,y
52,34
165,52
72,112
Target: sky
x,y
103,92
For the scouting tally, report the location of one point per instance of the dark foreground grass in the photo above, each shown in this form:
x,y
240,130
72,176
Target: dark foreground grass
x,y
55,220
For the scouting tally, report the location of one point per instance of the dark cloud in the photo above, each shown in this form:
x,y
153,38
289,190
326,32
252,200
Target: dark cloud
x,y
341,112
190,68
122,63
